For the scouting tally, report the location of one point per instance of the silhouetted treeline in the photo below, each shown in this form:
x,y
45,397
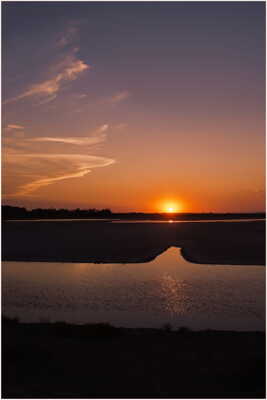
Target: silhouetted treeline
x,y
10,212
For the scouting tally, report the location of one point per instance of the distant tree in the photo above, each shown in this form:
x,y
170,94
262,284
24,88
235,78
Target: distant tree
x,y
10,212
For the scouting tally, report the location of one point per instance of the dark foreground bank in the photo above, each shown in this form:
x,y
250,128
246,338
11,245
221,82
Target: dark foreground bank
x,y
60,360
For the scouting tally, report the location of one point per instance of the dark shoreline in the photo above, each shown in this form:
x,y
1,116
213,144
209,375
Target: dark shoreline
x,y
142,217
59,360
12,212
230,243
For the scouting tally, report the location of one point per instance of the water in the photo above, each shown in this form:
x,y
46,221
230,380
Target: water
x,y
165,290
134,221
185,221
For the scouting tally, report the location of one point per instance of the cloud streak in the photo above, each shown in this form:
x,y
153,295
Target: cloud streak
x,y
98,137
118,97
80,141
29,170
11,127
49,89
69,165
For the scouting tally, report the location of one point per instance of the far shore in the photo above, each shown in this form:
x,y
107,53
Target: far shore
x,y
230,243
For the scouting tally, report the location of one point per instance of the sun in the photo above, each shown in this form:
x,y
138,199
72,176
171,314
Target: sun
x,y
171,207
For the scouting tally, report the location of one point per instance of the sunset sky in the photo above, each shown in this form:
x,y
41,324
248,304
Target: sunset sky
x,y
131,106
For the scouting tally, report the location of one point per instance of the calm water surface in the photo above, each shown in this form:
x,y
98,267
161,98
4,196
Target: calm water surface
x,y
165,290
134,221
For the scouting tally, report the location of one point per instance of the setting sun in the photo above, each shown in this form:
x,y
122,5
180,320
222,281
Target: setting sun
x,y
171,207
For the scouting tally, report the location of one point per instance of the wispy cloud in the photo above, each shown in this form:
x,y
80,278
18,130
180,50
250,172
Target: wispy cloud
x,y
48,89
11,127
118,97
102,128
81,141
68,36
121,126
81,96
69,165
98,136
34,169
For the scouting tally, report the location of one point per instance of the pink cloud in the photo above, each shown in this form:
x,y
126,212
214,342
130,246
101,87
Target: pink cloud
x,y
50,88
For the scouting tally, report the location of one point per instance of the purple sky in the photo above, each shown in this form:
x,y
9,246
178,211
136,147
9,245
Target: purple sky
x,y
132,105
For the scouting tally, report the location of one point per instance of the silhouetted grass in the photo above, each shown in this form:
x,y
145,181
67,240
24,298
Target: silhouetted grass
x,y
61,360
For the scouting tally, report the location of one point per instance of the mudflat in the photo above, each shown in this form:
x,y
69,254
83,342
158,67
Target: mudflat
x,y
240,243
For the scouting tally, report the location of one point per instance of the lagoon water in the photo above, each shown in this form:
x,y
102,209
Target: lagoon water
x,y
165,290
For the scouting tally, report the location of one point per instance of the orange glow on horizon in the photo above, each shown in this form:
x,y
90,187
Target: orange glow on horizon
x,y
170,207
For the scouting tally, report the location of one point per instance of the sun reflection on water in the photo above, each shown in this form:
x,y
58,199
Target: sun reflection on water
x,y
167,289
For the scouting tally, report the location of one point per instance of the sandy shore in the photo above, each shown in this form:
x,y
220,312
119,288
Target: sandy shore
x,y
83,241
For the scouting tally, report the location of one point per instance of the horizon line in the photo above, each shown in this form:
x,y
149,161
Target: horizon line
x,y
136,212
